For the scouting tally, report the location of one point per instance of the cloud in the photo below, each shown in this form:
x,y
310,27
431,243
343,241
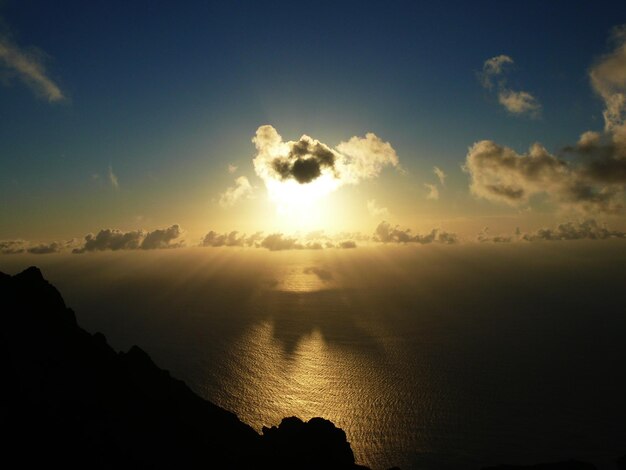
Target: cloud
x,y
29,68
592,181
375,210
230,239
515,102
317,240
500,174
440,175
322,274
242,189
433,192
311,168
608,79
492,68
163,238
385,233
11,247
519,102
484,237
113,178
232,168
585,230
113,239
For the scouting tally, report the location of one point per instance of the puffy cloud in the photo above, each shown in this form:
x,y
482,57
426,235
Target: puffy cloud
x,y
594,182
500,174
519,102
608,79
492,68
113,239
515,102
230,239
242,189
440,175
385,233
376,210
28,66
113,178
484,237
12,247
307,169
163,238
588,229
433,192
317,240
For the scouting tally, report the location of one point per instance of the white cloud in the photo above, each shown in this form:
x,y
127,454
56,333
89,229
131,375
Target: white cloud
x,y
375,210
311,169
519,102
242,189
515,102
28,66
440,175
433,192
113,178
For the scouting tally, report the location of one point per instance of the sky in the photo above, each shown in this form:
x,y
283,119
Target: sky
x,y
152,123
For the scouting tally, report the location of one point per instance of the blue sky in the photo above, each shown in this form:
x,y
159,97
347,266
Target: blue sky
x,y
169,95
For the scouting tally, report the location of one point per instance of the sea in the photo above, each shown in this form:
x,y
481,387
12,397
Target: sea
x,y
428,357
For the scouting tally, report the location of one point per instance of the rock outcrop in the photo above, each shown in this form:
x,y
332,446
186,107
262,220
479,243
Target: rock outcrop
x,y
69,400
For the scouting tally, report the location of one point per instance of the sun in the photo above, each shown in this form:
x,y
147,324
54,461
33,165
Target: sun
x,y
303,206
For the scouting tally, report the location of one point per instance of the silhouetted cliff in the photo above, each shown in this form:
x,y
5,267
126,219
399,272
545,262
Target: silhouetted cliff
x,y
69,399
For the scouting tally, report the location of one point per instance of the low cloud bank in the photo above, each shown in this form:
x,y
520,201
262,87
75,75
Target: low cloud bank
x,y
588,229
386,233
114,240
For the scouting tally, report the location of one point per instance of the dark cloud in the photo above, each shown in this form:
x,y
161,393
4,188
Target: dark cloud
x,y
500,174
385,233
484,237
230,239
586,230
113,239
12,247
322,274
347,244
305,161
46,248
163,238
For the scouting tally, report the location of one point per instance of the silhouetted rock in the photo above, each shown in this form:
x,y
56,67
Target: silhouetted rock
x,y
69,400
567,465
308,445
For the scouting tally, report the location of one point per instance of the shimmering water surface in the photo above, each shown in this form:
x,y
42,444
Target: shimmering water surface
x,y
428,357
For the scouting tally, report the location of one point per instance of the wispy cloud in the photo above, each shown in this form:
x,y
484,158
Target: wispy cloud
x,y
515,102
232,168
433,192
376,210
28,66
113,178
242,189
440,175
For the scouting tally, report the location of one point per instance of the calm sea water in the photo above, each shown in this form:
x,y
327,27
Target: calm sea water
x,y
428,357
